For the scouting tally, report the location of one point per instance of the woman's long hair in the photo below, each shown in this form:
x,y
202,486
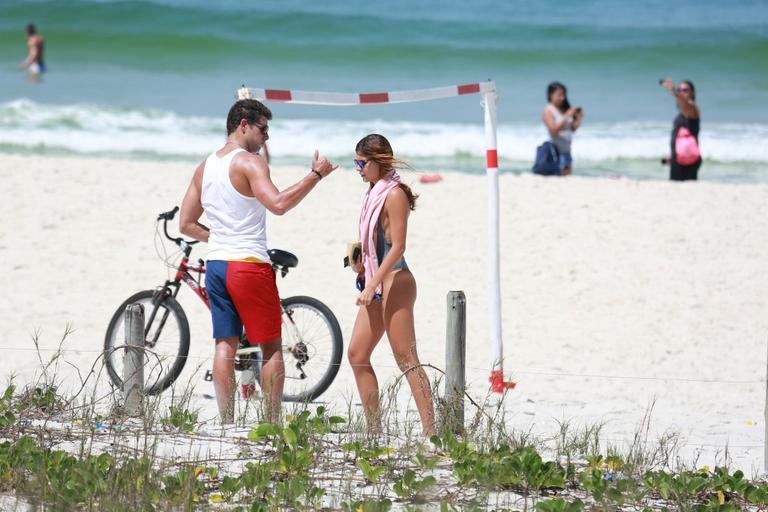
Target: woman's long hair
x,y
554,86
377,148
693,89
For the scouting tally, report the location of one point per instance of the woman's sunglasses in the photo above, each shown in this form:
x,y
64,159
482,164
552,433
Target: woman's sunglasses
x,y
360,164
683,89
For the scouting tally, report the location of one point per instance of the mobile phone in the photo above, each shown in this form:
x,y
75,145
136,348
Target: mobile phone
x,y
578,110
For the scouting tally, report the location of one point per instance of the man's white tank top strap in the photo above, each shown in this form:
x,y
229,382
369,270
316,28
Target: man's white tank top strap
x,y
238,223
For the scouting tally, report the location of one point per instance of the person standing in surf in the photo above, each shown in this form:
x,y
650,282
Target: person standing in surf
x,y
34,62
387,286
688,118
561,121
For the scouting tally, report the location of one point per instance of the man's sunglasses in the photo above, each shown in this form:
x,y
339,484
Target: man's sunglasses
x,y
263,127
360,164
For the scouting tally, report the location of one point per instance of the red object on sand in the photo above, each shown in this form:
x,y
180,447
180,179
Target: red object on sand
x,y
247,390
498,384
430,178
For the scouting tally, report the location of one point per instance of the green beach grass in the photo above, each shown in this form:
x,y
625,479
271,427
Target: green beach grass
x,y
80,452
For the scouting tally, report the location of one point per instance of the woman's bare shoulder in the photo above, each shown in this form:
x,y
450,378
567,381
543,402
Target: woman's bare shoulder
x,y
396,198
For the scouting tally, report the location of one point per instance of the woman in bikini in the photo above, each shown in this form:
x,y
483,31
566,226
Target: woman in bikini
x,y
388,289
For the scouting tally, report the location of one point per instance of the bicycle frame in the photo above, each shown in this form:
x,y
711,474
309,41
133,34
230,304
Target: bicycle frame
x,y
183,275
311,338
172,288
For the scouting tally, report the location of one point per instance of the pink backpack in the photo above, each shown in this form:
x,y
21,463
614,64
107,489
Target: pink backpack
x,y
686,149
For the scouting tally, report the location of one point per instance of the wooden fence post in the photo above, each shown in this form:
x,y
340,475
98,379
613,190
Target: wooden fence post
x,y
133,360
455,360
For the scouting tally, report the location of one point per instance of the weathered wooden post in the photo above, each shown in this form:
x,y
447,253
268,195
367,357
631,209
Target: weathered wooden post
x,y
455,359
133,360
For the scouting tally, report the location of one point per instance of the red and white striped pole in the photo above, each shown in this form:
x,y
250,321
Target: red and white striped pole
x,y
498,384
488,91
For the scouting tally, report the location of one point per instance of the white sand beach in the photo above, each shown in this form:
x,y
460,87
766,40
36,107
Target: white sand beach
x,y
610,288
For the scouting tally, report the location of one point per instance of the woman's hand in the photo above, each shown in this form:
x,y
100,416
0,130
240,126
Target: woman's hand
x,y
577,119
669,85
357,267
365,298
570,112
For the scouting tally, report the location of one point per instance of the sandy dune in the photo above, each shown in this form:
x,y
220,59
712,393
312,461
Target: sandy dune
x,y
609,286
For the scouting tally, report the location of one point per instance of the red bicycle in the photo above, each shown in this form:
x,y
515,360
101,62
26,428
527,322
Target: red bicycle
x,y
312,341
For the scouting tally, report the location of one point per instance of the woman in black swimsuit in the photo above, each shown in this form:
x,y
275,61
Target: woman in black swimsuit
x,y
392,311
685,96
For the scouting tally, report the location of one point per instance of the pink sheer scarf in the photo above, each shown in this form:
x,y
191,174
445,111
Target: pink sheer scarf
x,y
369,217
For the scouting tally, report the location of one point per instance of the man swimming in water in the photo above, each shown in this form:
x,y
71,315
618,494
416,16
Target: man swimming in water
x,y
34,61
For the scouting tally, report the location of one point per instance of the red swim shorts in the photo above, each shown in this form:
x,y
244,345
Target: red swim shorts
x,y
243,294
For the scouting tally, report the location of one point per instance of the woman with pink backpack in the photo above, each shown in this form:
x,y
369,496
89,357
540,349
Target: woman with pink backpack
x,y
686,155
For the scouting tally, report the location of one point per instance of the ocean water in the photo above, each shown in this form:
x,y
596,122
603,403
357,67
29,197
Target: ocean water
x,y
155,78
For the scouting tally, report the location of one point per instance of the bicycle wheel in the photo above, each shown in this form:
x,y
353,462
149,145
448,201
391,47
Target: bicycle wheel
x,y
166,338
312,347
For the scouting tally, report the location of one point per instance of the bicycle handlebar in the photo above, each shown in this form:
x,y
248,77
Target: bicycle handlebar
x,y
169,215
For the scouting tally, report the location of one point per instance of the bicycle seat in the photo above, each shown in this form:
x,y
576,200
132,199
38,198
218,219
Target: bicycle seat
x,y
283,258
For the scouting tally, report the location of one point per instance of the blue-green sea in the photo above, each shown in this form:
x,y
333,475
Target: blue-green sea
x,y
154,79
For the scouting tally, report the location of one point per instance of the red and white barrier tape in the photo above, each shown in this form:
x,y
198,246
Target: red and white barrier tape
x,y
351,99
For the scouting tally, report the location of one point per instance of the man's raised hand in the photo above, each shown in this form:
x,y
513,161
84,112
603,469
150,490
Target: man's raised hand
x,y
322,165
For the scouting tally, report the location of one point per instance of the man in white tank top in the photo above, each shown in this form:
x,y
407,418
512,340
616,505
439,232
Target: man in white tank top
x,y
234,189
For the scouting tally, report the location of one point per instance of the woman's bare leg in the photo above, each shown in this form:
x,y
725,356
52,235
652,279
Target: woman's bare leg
x,y
400,293
366,334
